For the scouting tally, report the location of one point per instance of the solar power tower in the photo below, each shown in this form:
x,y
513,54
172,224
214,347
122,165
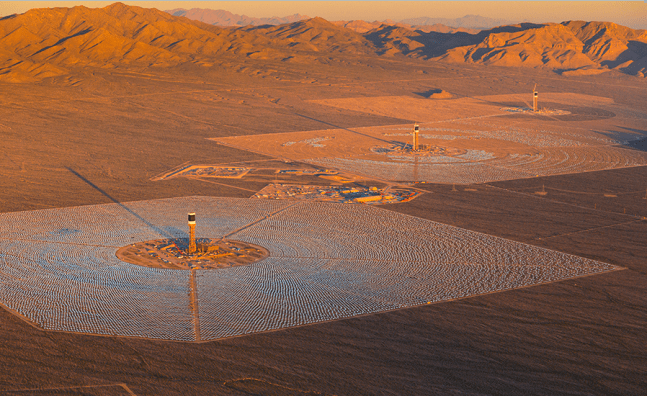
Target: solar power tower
x,y
416,129
535,96
192,247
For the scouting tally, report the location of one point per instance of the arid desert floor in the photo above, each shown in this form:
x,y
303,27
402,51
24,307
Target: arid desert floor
x,y
572,183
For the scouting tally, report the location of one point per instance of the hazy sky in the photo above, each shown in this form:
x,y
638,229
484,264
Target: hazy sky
x,y
628,13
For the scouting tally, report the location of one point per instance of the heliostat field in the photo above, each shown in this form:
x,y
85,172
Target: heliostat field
x,y
326,261
469,140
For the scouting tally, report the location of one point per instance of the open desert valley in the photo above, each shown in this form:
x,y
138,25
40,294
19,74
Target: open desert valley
x,y
373,208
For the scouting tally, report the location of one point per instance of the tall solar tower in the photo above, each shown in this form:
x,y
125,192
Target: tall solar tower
x,y
416,129
535,96
192,247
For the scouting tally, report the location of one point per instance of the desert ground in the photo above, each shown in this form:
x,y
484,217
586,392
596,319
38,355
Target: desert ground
x,y
104,136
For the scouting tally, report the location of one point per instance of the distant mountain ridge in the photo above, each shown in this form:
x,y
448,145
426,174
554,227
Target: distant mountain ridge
x,y
466,22
363,27
226,18
44,43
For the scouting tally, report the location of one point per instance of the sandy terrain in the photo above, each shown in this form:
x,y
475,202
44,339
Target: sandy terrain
x,y
98,136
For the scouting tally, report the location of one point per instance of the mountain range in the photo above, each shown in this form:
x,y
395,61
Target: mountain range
x,y
42,43
467,22
363,27
226,18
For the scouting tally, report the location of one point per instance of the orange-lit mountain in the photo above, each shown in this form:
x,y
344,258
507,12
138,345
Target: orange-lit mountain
x,y
612,45
49,42
568,48
572,47
43,43
315,34
553,46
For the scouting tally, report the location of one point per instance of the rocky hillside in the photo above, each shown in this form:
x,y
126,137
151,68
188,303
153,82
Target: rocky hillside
x,y
43,43
46,42
612,46
570,48
317,35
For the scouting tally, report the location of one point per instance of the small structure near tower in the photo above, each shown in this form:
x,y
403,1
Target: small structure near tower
x,y
535,107
415,146
192,247
191,254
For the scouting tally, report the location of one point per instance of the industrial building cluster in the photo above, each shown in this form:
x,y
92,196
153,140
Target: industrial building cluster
x,y
207,171
311,172
339,194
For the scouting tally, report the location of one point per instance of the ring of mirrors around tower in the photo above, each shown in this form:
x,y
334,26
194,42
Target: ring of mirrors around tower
x,y
191,253
416,149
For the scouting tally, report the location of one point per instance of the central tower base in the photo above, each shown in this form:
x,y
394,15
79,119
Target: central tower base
x,y
174,253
